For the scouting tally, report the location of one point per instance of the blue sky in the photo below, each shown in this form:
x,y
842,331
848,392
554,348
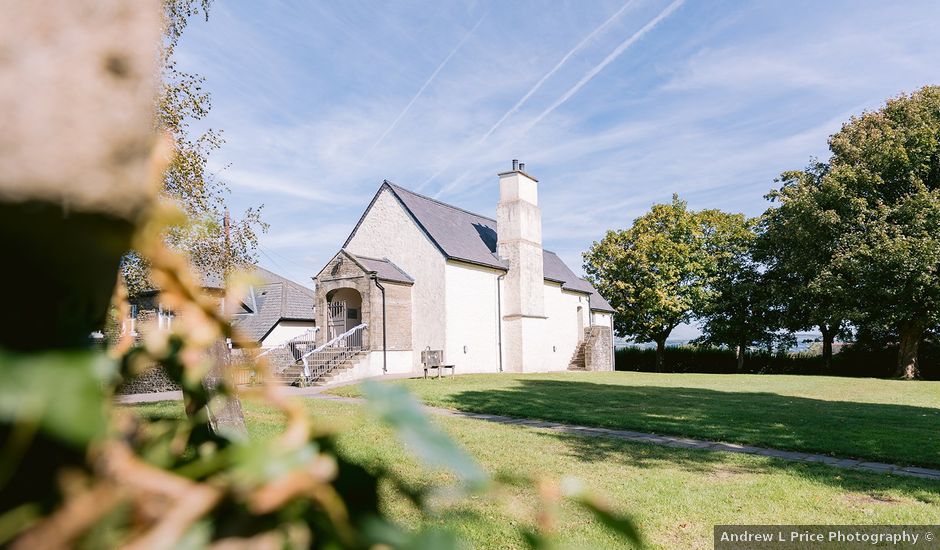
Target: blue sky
x,y
614,106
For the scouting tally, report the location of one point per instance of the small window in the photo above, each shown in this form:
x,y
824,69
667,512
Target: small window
x,y
352,313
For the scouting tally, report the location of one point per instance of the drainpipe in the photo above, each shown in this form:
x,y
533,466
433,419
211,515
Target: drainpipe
x,y
375,279
499,317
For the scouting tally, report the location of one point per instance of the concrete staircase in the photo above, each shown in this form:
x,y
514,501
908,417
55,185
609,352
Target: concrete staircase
x,y
323,364
577,359
289,373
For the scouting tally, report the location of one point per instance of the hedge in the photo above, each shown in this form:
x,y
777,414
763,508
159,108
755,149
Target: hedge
x,y
849,361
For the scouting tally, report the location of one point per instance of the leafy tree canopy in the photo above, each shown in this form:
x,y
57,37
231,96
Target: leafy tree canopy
x,y
886,166
657,274
211,246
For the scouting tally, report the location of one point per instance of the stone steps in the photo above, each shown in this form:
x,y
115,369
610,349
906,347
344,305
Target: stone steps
x,y
291,374
577,359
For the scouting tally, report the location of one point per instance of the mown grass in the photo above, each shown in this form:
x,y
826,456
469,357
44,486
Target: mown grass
x,y
675,495
885,420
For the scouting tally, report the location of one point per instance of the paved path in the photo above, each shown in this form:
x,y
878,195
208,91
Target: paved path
x,y
310,391
624,435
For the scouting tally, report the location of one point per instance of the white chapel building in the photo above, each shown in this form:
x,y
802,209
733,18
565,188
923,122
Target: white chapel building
x,y
418,274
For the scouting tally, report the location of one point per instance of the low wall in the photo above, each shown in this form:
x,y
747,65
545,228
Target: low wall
x,y
598,348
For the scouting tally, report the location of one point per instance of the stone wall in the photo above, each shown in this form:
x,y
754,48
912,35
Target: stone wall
x,y
152,380
398,309
598,350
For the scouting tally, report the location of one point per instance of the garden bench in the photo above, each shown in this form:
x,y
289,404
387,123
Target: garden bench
x,y
434,359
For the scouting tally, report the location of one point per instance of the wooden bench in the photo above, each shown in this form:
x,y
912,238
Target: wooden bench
x,y
434,359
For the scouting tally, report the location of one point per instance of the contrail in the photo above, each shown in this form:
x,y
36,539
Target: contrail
x,y
586,78
607,61
557,66
425,85
584,42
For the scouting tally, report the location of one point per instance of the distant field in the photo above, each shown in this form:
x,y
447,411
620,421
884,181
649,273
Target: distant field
x,y
884,420
675,495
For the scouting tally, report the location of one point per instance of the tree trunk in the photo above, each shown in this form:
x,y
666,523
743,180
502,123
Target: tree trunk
x,y
661,355
828,335
740,354
225,414
911,333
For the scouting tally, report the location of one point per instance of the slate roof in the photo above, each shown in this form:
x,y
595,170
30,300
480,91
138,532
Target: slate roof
x,y
465,236
556,270
274,299
385,270
457,233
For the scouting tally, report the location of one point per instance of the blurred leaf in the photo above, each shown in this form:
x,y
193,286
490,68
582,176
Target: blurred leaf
x,y
535,539
621,524
381,532
263,462
63,392
396,407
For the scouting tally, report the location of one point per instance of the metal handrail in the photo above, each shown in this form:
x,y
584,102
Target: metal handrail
x,y
307,336
335,339
331,354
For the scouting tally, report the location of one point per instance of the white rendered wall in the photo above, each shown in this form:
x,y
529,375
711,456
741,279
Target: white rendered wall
x,y
472,318
284,331
389,232
369,365
603,319
562,327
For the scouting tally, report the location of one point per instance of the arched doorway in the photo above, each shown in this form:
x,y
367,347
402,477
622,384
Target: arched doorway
x,y
344,311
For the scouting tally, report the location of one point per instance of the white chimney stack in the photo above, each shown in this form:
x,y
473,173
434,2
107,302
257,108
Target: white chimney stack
x,y
519,243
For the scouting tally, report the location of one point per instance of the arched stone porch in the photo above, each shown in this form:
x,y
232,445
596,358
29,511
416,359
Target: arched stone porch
x,y
344,300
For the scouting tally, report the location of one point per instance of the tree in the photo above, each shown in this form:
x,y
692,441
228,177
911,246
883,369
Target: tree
x,y
736,311
214,242
797,241
654,274
886,165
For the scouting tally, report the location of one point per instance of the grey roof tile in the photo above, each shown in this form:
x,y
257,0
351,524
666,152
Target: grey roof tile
x,y
385,270
463,235
275,299
556,270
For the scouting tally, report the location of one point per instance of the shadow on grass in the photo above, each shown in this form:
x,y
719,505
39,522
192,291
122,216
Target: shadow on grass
x,y
897,434
720,466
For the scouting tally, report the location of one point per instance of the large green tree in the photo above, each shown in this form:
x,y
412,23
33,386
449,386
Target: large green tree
x,y
886,165
654,274
735,312
797,241
214,241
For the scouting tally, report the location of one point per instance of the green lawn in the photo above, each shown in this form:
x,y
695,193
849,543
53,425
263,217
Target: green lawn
x,y
884,420
675,495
